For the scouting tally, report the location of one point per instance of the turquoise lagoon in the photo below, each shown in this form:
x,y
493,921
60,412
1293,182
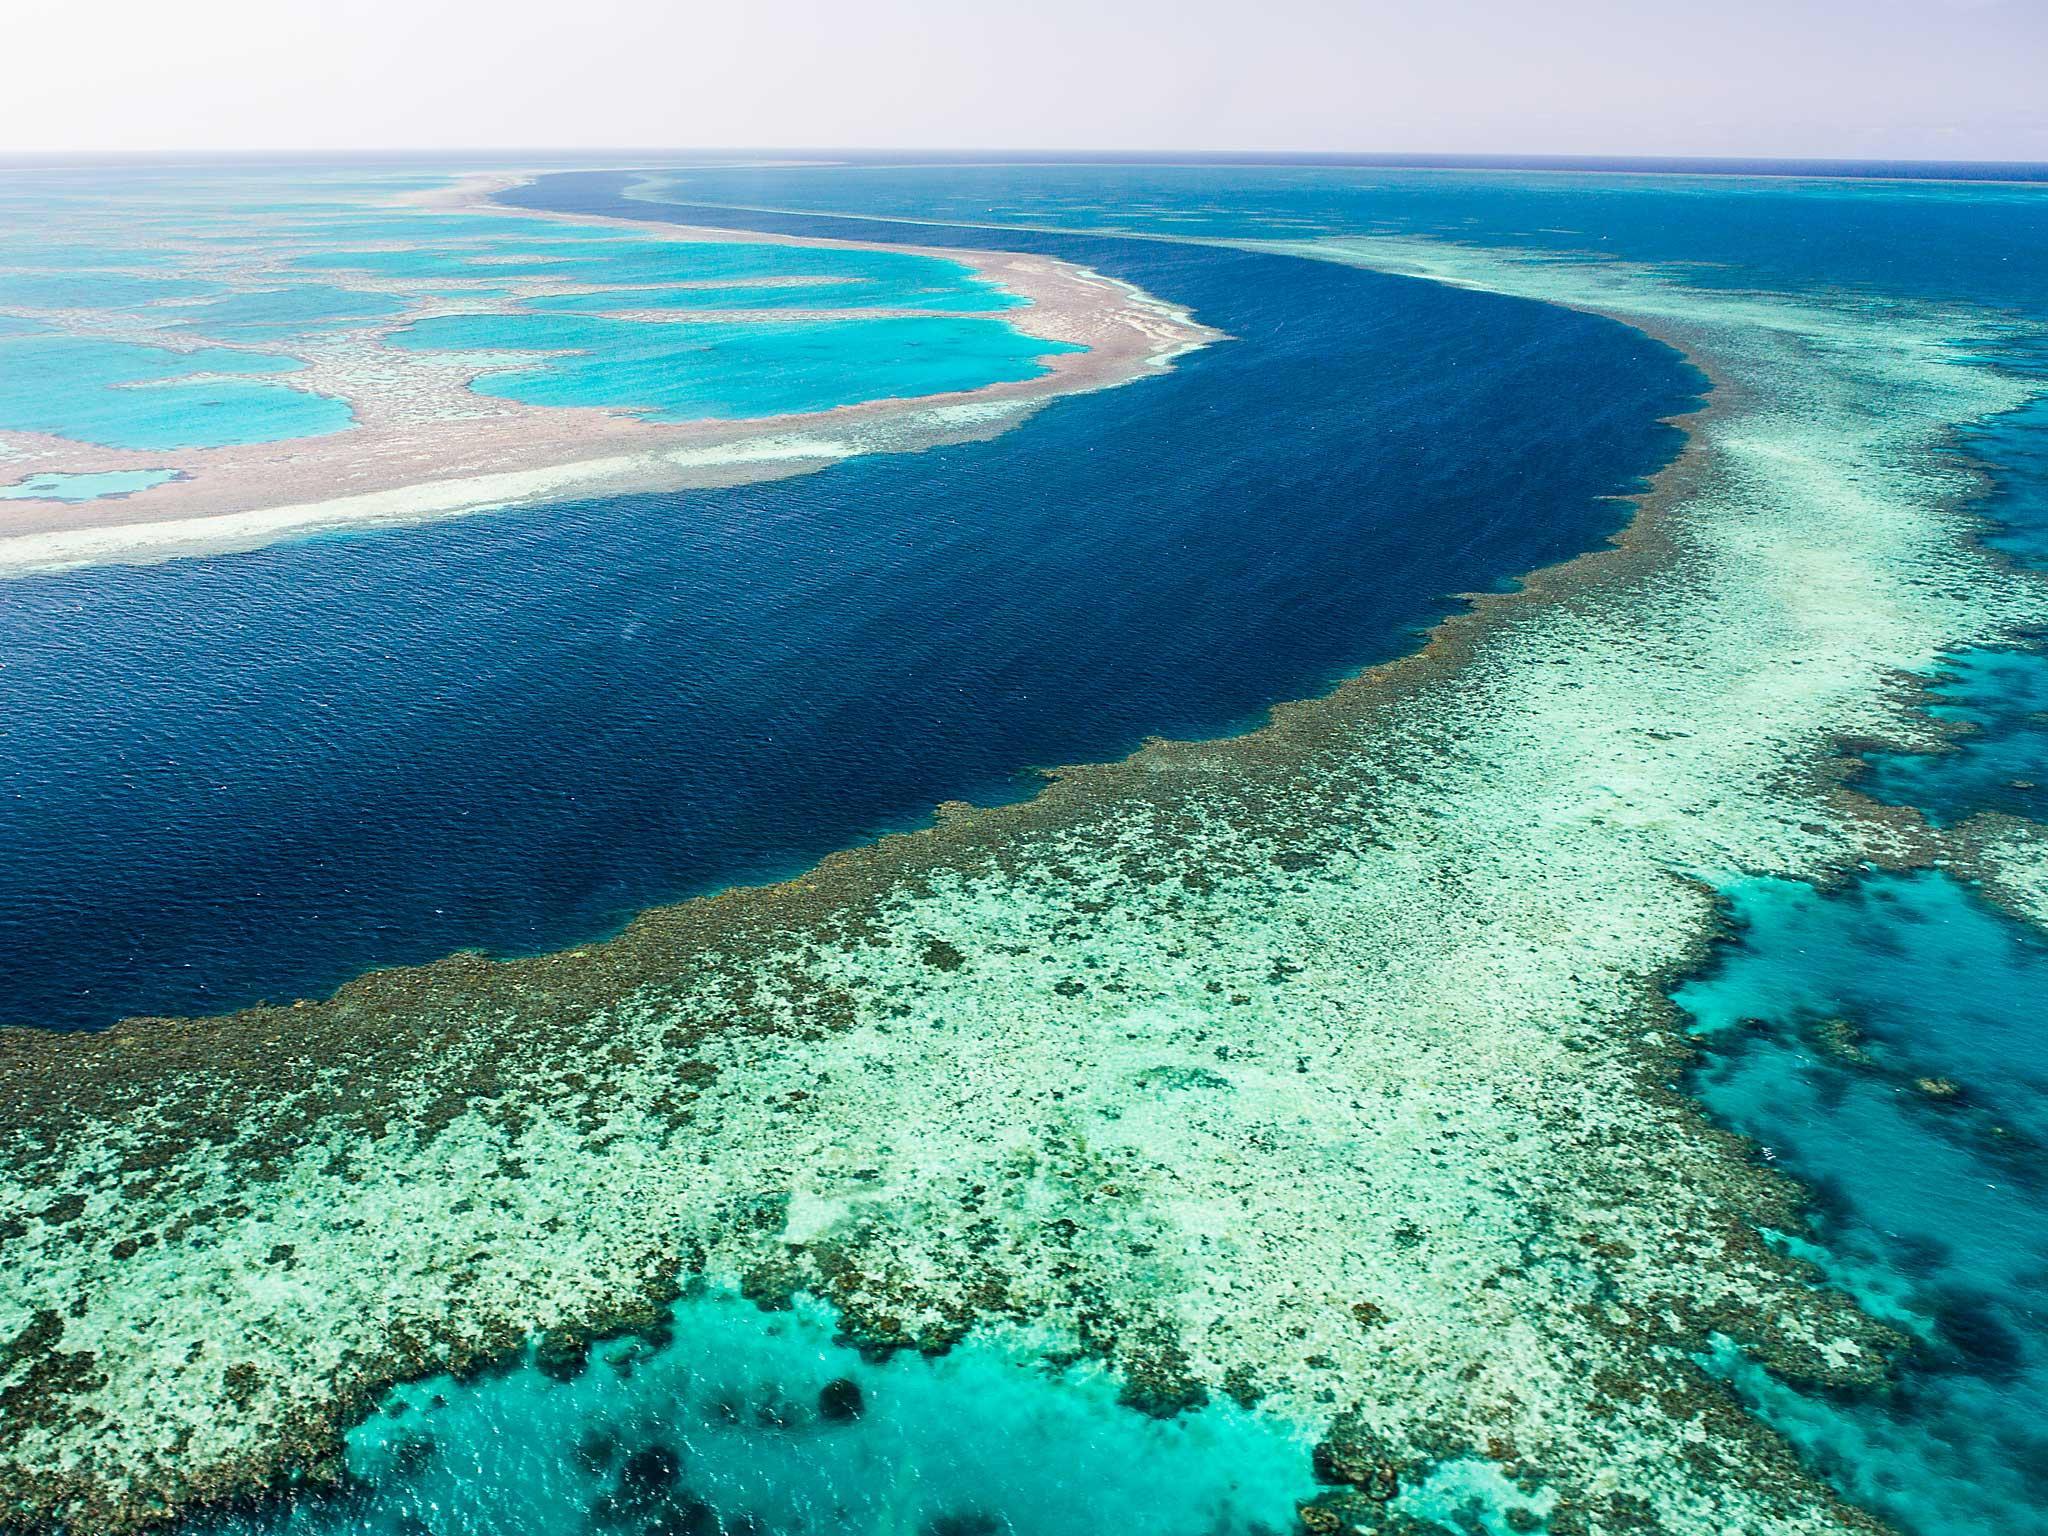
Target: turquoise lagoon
x,y
101,263
94,291
794,293
698,370
272,312
86,487
120,395
862,278
1884,1045
728,1419
725,1419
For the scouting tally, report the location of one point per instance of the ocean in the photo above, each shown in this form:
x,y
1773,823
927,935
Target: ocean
x,y
256,776
259,775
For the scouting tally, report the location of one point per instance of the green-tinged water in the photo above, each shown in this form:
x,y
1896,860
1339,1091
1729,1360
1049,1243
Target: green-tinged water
x,y
1884,1044
1321,1070
728,1420
722,370
1997,761
85,487
97,265
120,395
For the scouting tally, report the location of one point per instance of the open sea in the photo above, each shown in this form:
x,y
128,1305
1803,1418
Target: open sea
x,y
255,776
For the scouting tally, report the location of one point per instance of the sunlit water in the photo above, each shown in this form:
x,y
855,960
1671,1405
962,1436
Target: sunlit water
x,y
85,487
133,302
525,727
749,1423
258,775
1883,1042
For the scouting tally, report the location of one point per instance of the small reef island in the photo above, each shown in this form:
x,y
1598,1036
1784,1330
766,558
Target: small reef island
x,y
374,359
1574,1068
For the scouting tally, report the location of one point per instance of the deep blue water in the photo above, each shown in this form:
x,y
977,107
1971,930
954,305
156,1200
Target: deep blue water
x,y
257,775
1984,243
1883,1042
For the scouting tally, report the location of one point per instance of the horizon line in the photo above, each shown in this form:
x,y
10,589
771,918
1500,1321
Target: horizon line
x,y
1779,164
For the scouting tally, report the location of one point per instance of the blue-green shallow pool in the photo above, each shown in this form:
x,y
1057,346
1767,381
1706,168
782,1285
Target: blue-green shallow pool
x,y
881,277
95,290
712,370
119,395
302,309
793,294
258,775
88,487
1885,1044
730,1420
2000,762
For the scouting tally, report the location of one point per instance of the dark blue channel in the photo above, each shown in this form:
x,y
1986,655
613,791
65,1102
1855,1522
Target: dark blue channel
x,y
255,776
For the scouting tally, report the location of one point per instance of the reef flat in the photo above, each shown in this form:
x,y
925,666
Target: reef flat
x,y
258,370
1327,1068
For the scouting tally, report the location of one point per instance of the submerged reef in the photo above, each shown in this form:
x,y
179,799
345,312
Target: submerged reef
x,y
1327,1070
724,1417
1882,1041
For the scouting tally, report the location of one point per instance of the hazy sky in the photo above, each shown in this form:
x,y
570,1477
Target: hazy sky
x,y
1942,79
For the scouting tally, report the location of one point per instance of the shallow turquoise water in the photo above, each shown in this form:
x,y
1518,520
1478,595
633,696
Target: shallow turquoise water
x,y
795,294
339,221
2001,764
294,311
878,278
21,248
123,396
96,290
732,1420
286,271
55,487
1921,1126
699,370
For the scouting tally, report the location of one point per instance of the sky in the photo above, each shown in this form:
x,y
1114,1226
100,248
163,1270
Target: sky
x,y
1882,79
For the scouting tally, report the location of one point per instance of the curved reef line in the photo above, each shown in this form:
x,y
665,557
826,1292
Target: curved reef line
x,y
1327,1066
426,446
